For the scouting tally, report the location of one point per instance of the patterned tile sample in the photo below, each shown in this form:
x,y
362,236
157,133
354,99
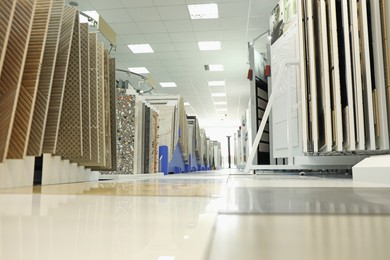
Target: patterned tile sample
x,y
7,10
70,17
93,100
113,114
41,106
151,142
125,132
155,144
27,95
100,105
85,93
146,143
69,139
12,71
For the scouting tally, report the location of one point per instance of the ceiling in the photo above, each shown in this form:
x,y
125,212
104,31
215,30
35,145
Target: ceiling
x,y
167,27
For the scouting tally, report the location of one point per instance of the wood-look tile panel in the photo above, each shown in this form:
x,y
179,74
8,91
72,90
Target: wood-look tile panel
x,y
41,105
61,66
32,68
93,97
7,10
69,139
11,74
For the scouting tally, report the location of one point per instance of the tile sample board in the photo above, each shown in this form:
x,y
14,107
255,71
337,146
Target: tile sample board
x,y
30,79
7,11
12,70
40,110
70,17
69,139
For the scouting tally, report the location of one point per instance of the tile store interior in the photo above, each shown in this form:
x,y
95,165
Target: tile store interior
x,y
194,129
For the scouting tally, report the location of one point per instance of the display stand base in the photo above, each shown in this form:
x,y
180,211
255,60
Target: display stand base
x,y
373,169
17,173
58,171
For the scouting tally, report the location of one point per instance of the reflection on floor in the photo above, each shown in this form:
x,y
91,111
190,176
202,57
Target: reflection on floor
x,y
211,215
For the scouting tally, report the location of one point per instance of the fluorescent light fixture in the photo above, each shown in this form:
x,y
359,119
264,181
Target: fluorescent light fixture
x,y
139,70
220,103
218,94
203,11
140,48
216,83
221,109
216,67
209,45
186,103
93,14
168,84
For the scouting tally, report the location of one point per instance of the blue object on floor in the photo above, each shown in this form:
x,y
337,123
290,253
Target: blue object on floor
x,y
176,165
163,155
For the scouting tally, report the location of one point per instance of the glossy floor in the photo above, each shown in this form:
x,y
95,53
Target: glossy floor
x,y
213,215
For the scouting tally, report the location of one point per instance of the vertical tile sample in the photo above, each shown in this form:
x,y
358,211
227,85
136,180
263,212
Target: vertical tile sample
x,y
36,136
125,132
113,114
7,10
61,66
28,88
12,70
146,142
100,105
69,137
93,98
85,94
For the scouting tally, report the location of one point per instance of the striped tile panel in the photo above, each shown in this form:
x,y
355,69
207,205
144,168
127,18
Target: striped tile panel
x,y
23,116
41,105
11,74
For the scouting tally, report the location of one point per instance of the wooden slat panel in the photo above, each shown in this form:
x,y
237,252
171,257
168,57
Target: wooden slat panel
x,y
61,66
93,101
32,68
41,105
69,139
11,74
7,10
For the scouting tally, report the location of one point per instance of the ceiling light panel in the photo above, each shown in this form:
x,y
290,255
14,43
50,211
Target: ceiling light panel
x,y
139,70
216,83
203,11
140,48
168,85
220,103
218,94
186,104
209,45
215,67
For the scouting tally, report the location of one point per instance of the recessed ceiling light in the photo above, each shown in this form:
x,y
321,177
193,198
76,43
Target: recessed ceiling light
x,y
209,45
186,103
139,70
215,67
220,103
168,84
221,109
203,11
140,48
218,94
216,83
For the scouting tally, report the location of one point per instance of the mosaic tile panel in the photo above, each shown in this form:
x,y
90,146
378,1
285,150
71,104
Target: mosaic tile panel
x,y
69,140
125,132
23,114
151,142
7,10
12,71
41,105
56,96
155,144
